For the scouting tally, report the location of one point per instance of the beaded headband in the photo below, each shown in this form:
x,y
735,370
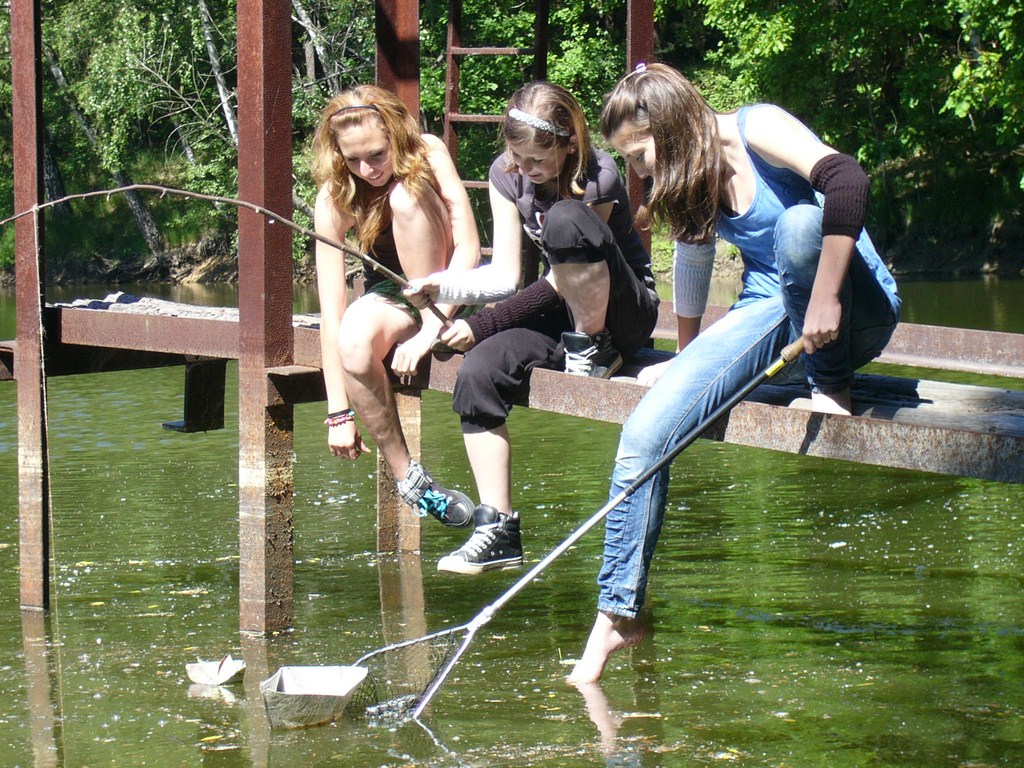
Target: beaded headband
x,y
535,122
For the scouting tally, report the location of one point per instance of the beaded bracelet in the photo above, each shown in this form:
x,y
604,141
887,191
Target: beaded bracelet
x,y
338,418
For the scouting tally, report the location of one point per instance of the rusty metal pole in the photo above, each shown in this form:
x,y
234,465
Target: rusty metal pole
x,y
29,266
397,24
398,69
639,48
265,431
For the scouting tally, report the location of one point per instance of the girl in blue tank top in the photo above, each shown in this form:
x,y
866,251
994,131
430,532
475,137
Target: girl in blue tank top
x,y
795,209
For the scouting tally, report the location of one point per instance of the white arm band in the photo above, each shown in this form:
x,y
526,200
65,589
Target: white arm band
x,y
691,277
481,285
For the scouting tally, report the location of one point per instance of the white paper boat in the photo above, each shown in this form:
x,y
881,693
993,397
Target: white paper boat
x,y
214,672
296,697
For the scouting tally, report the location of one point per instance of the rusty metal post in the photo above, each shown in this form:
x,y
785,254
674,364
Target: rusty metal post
x,y
639,48
29,266
265,431
398,50
398,69
398,530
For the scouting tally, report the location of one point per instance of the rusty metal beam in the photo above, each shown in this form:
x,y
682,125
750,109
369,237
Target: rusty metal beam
x,y
992,353
398,530
29,266
205,380
266,432
397,24
152,333
951,429
639,48
7,360
953,349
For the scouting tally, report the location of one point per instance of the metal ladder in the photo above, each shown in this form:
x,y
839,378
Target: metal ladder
x,y
456,52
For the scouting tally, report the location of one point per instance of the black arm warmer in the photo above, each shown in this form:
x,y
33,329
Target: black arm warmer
x,y
845,186
537,298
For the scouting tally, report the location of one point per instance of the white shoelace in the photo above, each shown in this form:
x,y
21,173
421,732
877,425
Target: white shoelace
x,y
580,363
481,539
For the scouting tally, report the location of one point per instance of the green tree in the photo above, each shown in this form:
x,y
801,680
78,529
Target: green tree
x,y
888,82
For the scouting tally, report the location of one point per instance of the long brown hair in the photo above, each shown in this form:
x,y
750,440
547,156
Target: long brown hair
x,y
687,174
359,106
552,104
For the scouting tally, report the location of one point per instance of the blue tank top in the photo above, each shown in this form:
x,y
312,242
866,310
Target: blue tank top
x,y
753,231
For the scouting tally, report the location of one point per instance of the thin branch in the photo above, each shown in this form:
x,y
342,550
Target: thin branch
x,y
271,216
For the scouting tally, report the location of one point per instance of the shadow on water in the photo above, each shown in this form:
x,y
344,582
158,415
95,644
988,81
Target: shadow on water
x,y
805,612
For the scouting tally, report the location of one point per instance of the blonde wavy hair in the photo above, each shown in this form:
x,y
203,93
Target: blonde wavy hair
x,y
687,176
362,105
555,105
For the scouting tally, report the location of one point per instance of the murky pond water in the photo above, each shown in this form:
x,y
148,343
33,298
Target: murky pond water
x,y
806,613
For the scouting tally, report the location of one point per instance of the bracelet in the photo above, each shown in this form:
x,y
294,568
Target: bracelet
x,y
338,418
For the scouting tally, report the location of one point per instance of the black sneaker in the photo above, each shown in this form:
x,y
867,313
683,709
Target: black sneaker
x,y
587,355
426,497
494,544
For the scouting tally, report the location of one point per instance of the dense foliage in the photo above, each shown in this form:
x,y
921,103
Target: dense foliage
x,y
927,94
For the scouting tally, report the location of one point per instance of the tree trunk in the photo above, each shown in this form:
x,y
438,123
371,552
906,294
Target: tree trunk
x,y
317,41
218,73
53,181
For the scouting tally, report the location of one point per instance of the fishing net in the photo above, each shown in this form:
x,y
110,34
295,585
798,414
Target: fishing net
x,y
399,674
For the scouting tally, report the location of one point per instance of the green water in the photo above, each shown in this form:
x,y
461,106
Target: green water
x,y
806,613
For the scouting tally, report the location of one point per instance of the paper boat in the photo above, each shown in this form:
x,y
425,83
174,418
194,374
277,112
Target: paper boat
x,y
296,697
214,672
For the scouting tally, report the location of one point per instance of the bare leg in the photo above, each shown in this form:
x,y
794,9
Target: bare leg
x,y
490,456
610,633
586,289
369,329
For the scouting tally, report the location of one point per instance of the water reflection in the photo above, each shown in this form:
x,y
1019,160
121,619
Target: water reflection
x,y
42,699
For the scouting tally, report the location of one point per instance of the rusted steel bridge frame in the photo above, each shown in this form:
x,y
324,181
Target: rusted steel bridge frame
x,y
29,265
264,340
265,429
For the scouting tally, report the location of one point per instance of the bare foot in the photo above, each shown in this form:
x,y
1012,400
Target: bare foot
x,y
836,402
609,634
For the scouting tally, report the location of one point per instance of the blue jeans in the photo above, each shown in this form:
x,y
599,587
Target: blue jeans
x,y
713,367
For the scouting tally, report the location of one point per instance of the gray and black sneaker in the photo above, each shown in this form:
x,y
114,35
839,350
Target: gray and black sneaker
x,y
494,544
426,497
587,355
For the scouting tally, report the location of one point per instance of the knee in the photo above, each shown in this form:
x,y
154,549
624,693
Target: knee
x,y
408,209
798,237
403,204
476,376
638,442
356,353
573,232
